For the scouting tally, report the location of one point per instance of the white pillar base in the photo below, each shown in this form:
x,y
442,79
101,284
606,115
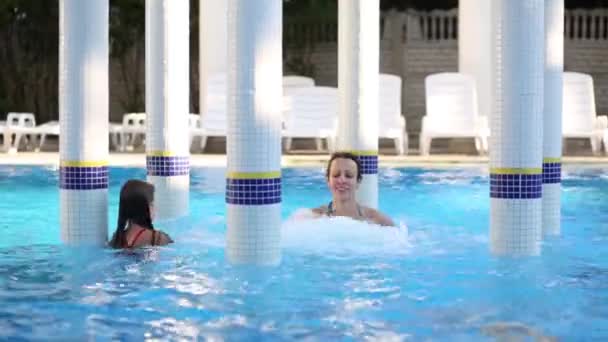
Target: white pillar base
x,y
367,194
84,216
515,226
171,196
551,209
254,234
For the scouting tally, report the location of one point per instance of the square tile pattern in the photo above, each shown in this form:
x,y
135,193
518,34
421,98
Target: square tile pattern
x,y
551,208
515,226
516,186
168,166
83,178
369,165
253,234
253,191
84,216
552,173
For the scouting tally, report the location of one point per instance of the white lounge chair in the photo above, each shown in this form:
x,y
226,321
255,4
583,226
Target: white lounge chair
x,y
392,122
196,130
311,112
451,111
12,119
2,127
37,135
133,128
47,128
115,131
579,115
4,131
213,122
18,128
290,83
53,128
297,81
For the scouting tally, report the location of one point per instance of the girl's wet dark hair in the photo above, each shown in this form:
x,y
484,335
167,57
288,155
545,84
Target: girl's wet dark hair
x,y
344,155
136,196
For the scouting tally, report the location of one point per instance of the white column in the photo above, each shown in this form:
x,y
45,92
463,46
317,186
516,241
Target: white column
x,y
83,118
552,132
253,184
358,83
213,26
167,105
475,48
516,128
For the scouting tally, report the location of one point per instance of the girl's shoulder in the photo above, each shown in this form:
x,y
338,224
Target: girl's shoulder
x,y
160,238
137,236
147,237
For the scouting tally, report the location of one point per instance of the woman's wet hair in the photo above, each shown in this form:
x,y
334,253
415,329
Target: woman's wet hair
x,y
344,155
136,197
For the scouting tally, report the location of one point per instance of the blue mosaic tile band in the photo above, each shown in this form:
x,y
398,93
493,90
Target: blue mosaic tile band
x,y
369,165
83,177
552,173
517,186
253,191
167,166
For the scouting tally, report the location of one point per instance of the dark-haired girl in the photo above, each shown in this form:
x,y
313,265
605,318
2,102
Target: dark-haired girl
x,y
135,215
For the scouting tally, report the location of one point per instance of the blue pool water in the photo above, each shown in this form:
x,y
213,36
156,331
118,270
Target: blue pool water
x,y
338,279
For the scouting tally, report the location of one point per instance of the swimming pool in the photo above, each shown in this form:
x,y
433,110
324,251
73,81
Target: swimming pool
x,y
337,280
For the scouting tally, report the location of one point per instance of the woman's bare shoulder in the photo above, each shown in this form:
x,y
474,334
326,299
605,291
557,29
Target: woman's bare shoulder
x,y
305,214
320,210
378,217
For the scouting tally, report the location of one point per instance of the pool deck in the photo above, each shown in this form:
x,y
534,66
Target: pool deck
x,y
291,160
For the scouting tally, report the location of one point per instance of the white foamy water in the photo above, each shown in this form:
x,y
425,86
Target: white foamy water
x,y
303,232
339,235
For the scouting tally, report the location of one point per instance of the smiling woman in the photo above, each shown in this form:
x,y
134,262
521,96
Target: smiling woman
x,y
343,177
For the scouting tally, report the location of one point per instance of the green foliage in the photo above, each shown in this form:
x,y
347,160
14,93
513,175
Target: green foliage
x,y
127,25
127,50
423,5
321,10
306,23
29,37
29,34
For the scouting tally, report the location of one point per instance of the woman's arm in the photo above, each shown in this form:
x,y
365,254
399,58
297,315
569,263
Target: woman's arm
x,y
380,218
319,211
384,220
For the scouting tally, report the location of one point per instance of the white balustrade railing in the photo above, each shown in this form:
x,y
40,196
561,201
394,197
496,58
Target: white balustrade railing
x,y
441,25
586,24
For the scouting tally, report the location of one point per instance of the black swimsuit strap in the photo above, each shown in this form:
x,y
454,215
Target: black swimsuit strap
x,y
330,209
